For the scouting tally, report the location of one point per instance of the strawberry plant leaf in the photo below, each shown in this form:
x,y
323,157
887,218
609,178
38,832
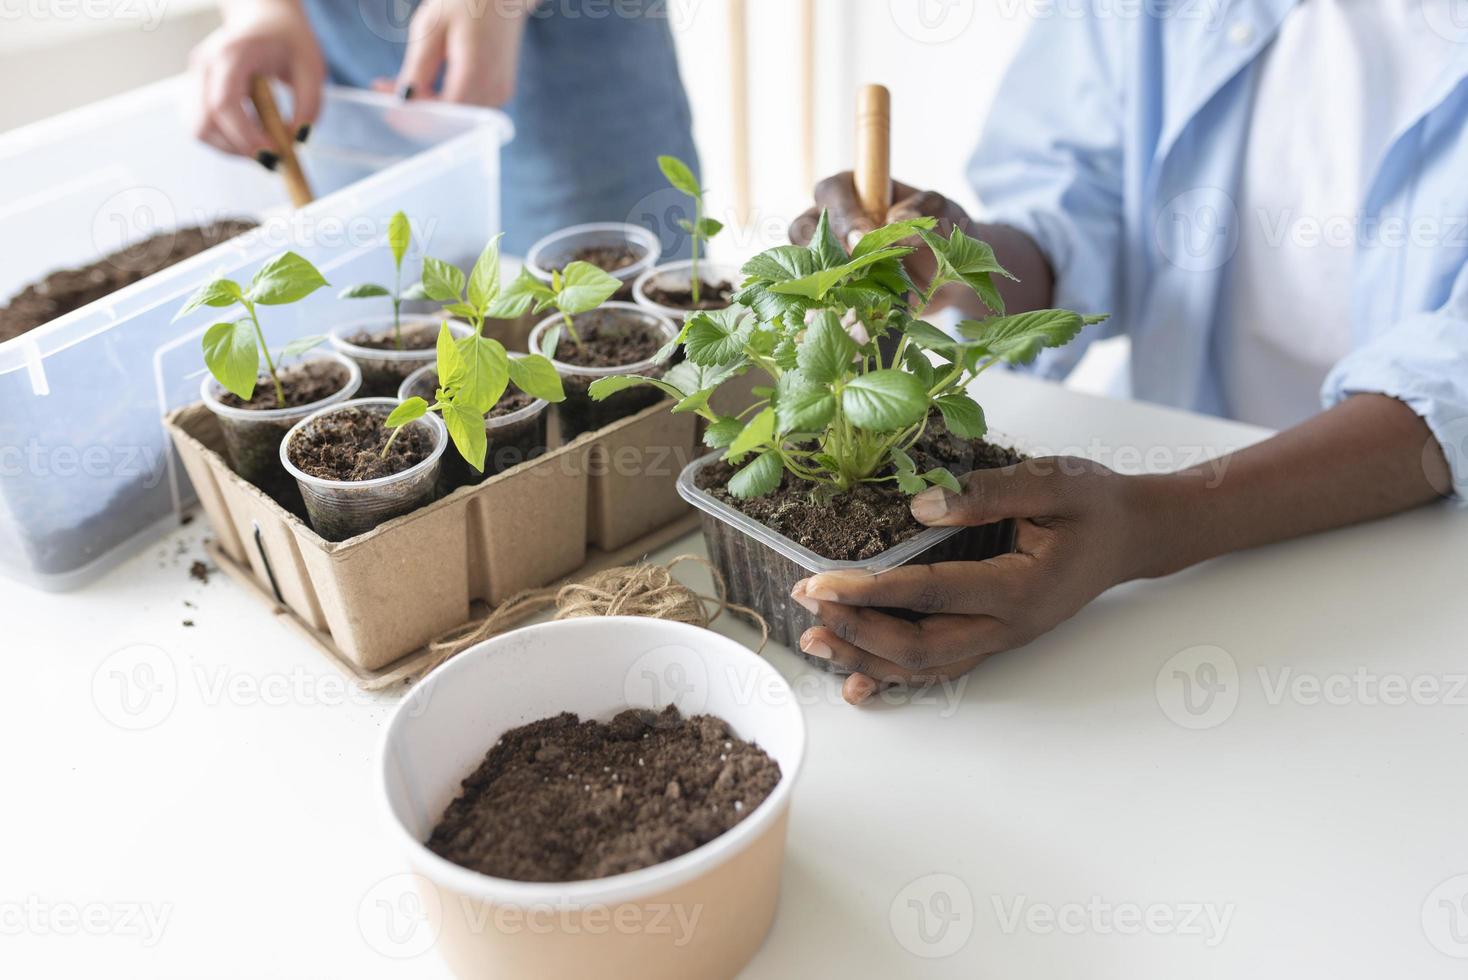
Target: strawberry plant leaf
x,y
1019,338
808,410
717,337
963,416
721,433
884,401
940,477
824,248
826,352
760,430
879,238
759,477
966,260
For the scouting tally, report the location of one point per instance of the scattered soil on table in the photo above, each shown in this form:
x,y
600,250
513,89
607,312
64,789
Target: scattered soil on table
x,y
188,622
510,402
304,383
199,572
711,296
71,289
562,799
347,445
609,338
608,258
871,518
416,337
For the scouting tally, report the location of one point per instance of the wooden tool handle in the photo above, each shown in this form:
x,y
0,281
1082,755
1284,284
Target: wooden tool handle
x,y
283,142
874,151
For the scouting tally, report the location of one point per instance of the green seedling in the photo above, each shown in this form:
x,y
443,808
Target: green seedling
x,y
700,229
399,236
233,349
838,412
578,288
474,371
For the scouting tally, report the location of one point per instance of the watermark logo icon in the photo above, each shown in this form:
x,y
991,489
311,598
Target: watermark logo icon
x,y
1198,688
1198,230
135,688
667,675
400,916
932,21
1445,917
933,916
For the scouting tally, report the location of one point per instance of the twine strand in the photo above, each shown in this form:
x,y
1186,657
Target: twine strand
x,y
644,589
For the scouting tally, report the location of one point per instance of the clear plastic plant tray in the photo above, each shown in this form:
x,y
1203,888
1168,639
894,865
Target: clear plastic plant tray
x,y
86,472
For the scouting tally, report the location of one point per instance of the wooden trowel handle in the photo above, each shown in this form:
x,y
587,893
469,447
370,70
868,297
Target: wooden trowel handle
x,y
874,151
281,141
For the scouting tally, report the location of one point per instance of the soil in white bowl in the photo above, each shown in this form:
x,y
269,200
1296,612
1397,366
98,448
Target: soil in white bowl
x,y
562,799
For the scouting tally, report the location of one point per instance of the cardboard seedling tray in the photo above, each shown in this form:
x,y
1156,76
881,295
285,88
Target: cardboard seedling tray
x,y
374,601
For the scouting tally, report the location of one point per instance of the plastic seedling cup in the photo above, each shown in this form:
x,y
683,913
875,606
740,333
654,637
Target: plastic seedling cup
x,y
678,275
578,413
385,369
560,248
341,509
252,437
595,668
760,565
512,438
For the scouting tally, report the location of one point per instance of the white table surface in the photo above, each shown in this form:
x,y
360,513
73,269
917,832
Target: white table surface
x,y
199,801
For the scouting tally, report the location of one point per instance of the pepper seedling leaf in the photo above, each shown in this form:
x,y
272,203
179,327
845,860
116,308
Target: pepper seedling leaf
x,y
366,290
300,345
484,278
217,293
679,175
466,429
232,356
537,377
584,287
287,278
407,411
442,283
399,233
485,373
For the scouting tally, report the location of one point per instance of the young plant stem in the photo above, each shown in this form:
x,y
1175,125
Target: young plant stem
x,y
571,329
269,364
693,267
397,303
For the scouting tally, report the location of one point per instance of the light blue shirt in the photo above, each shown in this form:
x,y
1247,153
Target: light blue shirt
x,y
1116,142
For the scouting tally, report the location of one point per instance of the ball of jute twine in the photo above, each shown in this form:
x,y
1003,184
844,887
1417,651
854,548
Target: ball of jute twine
x,y
644,589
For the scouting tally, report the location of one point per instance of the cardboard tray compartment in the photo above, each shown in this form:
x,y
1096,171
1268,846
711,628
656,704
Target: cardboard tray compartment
x,y
383,595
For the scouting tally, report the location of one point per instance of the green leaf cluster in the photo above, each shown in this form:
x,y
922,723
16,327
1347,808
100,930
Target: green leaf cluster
x,y
474,370
399,236
233,349
855,373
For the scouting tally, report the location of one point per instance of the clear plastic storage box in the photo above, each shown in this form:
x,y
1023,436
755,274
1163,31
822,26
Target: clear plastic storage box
x,y
86,471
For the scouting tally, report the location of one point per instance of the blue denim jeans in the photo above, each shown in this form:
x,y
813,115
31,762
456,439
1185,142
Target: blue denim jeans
x,y
597,98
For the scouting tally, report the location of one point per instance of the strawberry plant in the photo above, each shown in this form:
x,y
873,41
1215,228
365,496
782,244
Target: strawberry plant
x,y
399,235
234,348
842,407
475,370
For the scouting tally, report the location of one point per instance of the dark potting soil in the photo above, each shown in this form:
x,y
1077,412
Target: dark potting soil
x,y
415,337
562,799
303,383
609,338
347,445
70,289
711,296
608,258
871,518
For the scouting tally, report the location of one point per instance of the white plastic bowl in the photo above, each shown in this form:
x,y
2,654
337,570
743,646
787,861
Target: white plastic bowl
x,y
703,914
